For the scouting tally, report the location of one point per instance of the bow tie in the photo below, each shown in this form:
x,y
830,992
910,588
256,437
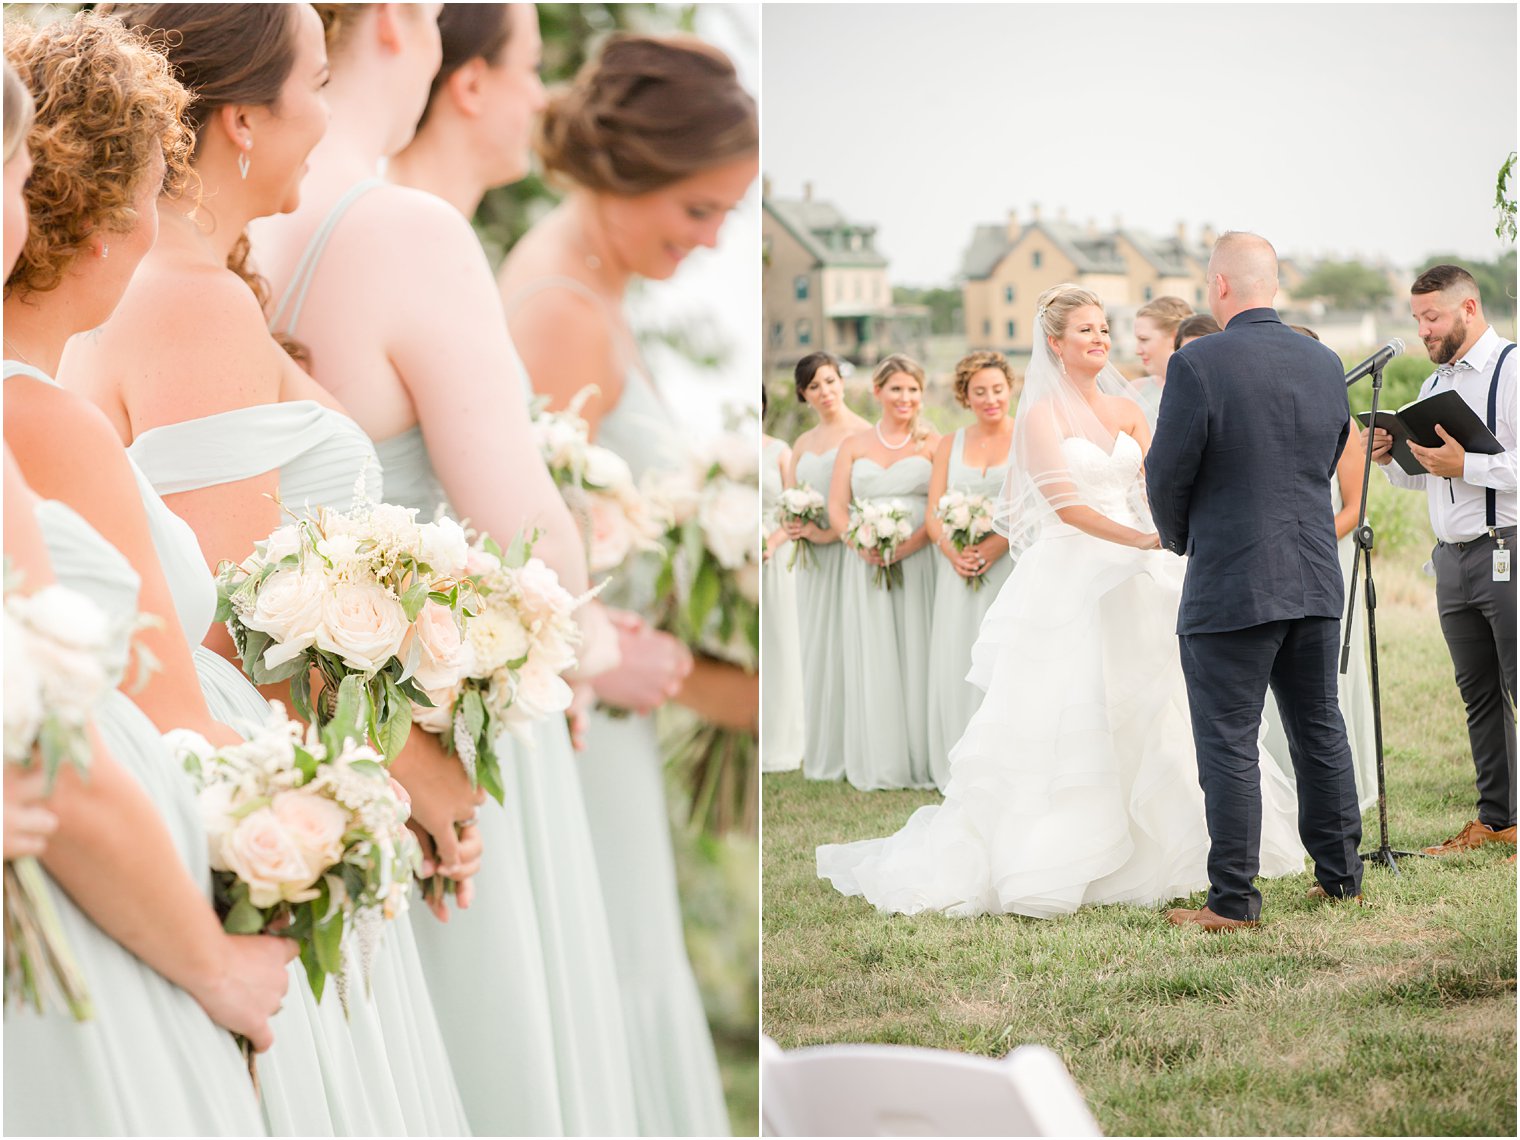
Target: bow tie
x,y
1447,371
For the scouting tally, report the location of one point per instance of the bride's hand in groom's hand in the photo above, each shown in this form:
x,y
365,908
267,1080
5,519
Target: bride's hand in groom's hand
x,y
1146,541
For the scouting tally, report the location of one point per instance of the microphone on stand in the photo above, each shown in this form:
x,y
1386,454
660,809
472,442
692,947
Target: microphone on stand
x,y
1377,360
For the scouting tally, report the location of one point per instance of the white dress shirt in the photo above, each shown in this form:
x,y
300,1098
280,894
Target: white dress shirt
x,y
1458,511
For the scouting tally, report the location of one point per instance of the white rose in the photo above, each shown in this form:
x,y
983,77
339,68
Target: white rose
x,y
540,595
730,523
445,548
865,535
67,642
362,624
481,562
736,455
611,539
315,825
282,543
288,607
23,694
748,581
959,517
606,468
904,529
674,493
215,804
540,692
440,651
258,851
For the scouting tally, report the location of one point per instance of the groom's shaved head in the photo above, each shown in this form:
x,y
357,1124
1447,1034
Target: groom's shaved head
x,y
1249,263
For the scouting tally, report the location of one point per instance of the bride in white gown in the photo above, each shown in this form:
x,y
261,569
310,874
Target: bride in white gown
x,y
1075,782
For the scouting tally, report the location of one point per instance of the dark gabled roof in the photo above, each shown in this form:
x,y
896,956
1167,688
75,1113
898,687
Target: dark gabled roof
x,y
1089,253
988,245
1168,256
816,225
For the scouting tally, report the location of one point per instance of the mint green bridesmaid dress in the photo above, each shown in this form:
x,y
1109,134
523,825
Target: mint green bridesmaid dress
x,y
820,620
523,981
956,618
886,635
780,650
381,1069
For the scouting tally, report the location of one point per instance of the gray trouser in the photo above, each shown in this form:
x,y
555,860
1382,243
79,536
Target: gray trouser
x,y
1478,620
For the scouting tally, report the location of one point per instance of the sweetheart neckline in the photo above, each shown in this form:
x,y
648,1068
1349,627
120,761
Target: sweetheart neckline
x,y
894,463
1111,452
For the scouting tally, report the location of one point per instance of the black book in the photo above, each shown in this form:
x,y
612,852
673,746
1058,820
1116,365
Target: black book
x,y
1417,422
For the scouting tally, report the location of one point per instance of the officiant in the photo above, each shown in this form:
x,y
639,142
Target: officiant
x,y
1472,511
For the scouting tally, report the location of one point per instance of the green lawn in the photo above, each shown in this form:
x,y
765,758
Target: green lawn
x,y
1398,1019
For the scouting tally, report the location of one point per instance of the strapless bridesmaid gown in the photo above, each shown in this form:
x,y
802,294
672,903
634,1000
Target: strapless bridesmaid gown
x,y
820,620
382,1068
956,618
886,632
781,717
523,981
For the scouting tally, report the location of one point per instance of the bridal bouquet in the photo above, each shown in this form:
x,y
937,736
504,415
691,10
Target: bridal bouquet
x,y
881,525
710,590
369,593
519,641
62,655
597,486
804,505
968,520
307,833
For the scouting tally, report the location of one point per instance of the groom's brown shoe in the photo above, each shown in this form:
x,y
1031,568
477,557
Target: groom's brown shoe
x,y
1473,836
1318,893
1208,920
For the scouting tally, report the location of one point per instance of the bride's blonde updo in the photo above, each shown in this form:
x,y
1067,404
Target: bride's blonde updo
x,y
106,102
339,21
890,367
1056,305
647,111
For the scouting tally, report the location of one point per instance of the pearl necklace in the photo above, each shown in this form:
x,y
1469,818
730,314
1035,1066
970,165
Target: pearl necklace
x,y
907,439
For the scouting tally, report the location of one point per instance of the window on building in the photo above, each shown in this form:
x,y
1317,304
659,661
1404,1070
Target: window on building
x,y
800,286
986,328
1013,330
1008,294
1198,295
804,331
778,333
1035,259
1149,293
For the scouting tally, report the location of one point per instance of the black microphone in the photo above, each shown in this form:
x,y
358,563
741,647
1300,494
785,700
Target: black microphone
x,y
1379,358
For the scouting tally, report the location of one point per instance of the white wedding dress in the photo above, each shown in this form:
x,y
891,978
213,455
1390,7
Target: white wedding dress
x,y
1075,782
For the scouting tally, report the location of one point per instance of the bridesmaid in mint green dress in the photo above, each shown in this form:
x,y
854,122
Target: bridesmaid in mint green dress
x,y
149,1061
975,461
886,632
820,584
524,979
780,656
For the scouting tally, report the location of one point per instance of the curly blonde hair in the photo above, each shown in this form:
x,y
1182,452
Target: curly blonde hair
x,y
972,363
647,111
106,103
18,111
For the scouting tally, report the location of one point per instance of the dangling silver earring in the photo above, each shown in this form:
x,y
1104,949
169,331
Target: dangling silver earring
x,y
244,162
105,252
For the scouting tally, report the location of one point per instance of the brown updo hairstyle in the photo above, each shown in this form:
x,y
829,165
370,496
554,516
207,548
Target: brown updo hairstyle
x,y
106,102
1199,324
889,367
225,54
468,31
972,363
19,111
1166,313
647,111
808,367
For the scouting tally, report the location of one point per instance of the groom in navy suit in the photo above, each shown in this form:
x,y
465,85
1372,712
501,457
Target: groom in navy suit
x,y
1252,422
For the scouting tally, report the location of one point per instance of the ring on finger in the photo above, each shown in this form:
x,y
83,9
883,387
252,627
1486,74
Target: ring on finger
x,y
473,821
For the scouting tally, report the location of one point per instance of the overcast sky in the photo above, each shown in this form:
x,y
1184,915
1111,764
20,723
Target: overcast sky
x,y
1348,129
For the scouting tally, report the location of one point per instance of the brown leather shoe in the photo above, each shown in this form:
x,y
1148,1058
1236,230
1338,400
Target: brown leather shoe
x,y
1318,893
1207,919
1471,837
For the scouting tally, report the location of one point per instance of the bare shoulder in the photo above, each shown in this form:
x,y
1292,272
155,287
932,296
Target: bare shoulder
x,y
566,344
38,416
942,448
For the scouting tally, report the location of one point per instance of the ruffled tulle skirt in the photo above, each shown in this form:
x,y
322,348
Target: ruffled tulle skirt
x,y
1075,782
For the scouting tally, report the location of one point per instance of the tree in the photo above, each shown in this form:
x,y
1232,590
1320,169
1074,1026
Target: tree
x,y
945,312
1504,200
1345,285
1496,279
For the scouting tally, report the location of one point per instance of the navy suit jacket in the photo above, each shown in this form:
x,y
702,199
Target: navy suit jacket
x,y
1251,424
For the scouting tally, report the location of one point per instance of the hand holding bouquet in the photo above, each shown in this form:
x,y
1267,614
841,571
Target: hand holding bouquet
x,y
967,519
880,525
62,656
802,504
369,593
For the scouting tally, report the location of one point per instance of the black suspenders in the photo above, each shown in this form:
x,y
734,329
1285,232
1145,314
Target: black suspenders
x,y
1490,500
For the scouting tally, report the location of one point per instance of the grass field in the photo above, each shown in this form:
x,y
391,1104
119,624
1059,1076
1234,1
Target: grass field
x,y
1396,1019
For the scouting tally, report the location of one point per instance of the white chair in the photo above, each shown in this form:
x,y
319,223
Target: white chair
x,y
900,1090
